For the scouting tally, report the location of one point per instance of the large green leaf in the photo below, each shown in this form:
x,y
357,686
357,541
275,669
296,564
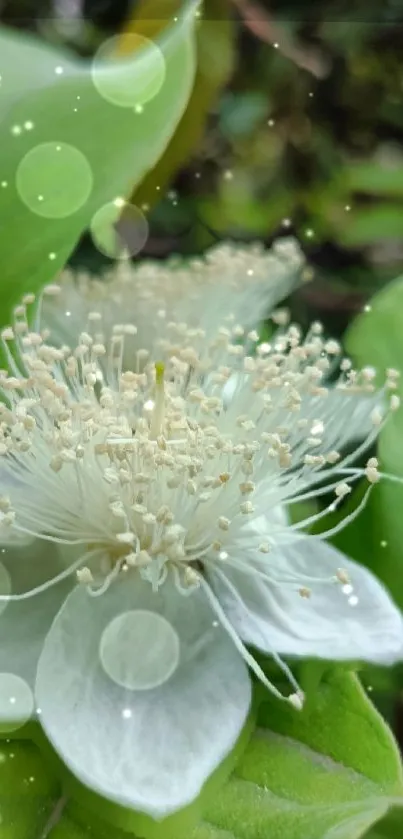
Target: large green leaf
x,y
329,772
50,98
390,827
376,338
28,791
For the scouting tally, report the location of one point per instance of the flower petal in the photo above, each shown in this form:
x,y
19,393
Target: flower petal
x,y
24,624
332,411
354,621
9,482
245,282
144,746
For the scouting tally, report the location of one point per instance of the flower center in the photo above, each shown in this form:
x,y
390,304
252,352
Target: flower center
x,y
139,650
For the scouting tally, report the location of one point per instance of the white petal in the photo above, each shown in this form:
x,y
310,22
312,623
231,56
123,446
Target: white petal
x,y
9,536
245,282
149,749
333,411
24,624
360,622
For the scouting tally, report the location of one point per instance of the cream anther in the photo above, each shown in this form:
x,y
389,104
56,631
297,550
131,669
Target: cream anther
x,y
84,576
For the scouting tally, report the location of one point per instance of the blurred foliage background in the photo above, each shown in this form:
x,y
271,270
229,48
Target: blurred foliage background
x,y
295,125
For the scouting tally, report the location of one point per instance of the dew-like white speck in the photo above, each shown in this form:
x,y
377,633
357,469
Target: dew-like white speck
x,y
353,600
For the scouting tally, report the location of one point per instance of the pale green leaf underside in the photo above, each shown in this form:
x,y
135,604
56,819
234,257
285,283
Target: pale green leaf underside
x,y
119,144
329,773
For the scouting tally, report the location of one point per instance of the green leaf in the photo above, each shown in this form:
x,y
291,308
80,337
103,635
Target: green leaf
x,y
390,827
28,791
365,226
375,338
113,146
329,772
326,773
373,178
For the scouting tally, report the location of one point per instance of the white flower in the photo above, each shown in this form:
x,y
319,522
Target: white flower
x,y
231,284
166,489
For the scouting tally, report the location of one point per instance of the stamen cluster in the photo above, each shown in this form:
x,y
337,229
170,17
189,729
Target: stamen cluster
x,y
162,466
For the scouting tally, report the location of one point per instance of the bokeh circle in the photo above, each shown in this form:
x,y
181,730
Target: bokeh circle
x,y
132,79
119,230
16,702
139,650
54,180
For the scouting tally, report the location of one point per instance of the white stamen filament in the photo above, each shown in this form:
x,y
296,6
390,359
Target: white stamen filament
x,y
166,471
64,575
